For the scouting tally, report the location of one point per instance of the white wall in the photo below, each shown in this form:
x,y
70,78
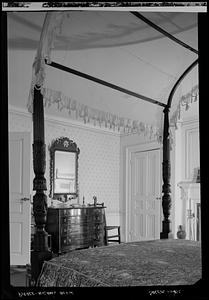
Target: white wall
x,y
19,76
102,158
177,157
187,155
102,161
99,158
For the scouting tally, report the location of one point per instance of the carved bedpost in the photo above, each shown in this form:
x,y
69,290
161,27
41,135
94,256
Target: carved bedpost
x,y
166,198
40,251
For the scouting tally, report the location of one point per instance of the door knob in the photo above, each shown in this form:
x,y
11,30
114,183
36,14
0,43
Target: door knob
x,y
25,199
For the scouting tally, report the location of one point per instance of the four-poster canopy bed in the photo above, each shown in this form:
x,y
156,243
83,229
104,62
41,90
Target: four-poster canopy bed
x,y
41,252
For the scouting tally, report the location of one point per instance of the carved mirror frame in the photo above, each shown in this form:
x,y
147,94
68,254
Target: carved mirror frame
x,y
66,145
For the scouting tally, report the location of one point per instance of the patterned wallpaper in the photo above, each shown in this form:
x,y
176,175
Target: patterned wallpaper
x,y
98,162
99,159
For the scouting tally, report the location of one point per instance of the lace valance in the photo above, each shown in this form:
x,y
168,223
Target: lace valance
x,y
53,24
97,117
51,27
185,103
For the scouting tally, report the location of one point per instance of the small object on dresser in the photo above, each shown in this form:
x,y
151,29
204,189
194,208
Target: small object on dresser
x,y
198,176
56,203
95,200
100,204
181,233
83,201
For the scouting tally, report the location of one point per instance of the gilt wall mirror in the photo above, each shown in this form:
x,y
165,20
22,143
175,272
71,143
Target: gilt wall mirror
x,y
63,169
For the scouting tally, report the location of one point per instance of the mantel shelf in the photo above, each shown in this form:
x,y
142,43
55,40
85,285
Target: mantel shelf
x,y
189,185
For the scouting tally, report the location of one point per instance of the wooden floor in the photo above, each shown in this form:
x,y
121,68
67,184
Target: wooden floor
x,y
18,276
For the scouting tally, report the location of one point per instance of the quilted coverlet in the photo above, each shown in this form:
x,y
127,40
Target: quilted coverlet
x,y
159,262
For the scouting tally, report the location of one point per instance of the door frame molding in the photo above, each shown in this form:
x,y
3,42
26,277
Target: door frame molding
x,y
129,151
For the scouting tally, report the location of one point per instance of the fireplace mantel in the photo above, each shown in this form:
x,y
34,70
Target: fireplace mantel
x,y
189,184
190,195
191,190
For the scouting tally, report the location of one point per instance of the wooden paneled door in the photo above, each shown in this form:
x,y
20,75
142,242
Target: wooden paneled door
x,y
19,197
145,196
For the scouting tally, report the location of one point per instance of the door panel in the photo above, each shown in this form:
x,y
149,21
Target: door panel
x,y
145,191
19,197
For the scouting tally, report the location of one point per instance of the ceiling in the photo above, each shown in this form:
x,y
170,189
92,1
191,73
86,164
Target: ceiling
x,y
119,48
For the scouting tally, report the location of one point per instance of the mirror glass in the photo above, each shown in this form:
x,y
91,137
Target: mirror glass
x,y
64,172
63,169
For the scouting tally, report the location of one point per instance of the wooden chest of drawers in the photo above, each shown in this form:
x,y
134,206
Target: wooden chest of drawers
x,y
76,228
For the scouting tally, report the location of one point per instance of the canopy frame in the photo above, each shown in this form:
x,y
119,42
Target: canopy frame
x,y
105,83
164,32
41,250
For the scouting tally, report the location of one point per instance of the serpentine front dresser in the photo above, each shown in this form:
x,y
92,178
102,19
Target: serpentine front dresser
x,y
76,228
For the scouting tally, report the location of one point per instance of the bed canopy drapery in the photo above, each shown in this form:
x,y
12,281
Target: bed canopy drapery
x,y
120,41
115,36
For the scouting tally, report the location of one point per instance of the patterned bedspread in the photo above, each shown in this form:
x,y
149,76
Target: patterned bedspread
x,y
160,262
